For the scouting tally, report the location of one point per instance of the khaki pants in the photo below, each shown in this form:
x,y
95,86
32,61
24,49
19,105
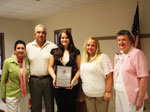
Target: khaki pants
x,y
96,104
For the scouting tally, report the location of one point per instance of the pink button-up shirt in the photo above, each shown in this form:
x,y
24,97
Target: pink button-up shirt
x,y
134,66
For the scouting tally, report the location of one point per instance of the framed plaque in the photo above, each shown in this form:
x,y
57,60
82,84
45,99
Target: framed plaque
x,y
63,76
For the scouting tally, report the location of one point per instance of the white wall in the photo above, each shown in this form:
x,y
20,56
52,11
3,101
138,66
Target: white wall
x,y
13,30
104,19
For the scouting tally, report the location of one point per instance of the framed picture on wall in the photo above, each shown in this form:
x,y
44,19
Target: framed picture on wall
x,y
57,33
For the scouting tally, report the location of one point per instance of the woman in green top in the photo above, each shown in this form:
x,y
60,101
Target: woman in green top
x,y
14,81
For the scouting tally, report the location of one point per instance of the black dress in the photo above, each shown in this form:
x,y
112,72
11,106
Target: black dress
x,y
66,98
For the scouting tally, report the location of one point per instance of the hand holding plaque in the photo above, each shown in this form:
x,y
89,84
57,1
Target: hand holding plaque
x,y
63,76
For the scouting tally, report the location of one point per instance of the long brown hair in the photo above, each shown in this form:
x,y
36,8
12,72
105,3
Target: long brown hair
x,y
71,47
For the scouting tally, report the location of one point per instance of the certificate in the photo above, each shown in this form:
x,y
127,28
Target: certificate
x,y
63,76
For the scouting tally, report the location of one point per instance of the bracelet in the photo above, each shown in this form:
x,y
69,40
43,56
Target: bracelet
x,y
108,91
139,98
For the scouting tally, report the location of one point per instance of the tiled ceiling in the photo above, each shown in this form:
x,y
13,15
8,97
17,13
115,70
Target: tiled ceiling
x,y
39,9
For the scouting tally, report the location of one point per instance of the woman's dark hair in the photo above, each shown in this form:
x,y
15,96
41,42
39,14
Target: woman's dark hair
x,y
71,47
19,42
126,32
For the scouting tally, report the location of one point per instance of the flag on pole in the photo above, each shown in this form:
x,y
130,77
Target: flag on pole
x,y
136,30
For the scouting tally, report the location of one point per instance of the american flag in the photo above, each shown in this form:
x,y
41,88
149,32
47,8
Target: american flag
x,y
135,29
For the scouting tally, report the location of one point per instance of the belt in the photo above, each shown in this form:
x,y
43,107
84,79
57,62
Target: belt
x,y
40,77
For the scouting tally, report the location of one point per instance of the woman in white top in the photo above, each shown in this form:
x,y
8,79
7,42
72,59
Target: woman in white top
x,y
96,75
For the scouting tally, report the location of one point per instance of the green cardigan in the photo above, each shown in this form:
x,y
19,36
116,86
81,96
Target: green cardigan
x,y
10,80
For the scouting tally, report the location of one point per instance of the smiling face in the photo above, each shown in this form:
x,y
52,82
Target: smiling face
x,y
64,40
124,43
91,47
40,35
20,51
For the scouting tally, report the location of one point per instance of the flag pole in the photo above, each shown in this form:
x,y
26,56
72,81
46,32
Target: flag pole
x,y
136,29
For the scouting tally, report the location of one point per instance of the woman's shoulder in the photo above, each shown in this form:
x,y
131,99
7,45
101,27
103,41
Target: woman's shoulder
x,y
26,59
53,50
103,55
8,60
136,51
77,51
12,58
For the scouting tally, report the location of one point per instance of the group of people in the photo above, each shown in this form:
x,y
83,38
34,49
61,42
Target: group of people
x,y
38,62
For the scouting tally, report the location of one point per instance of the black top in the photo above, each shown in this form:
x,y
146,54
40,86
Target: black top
x,y
71,62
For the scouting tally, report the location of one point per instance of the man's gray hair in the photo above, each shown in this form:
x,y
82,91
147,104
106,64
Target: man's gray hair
x,y
39,25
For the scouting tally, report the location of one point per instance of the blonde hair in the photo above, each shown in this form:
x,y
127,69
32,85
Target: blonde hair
x,y
85,55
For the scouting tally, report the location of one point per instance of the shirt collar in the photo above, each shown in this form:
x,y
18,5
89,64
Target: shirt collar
x,y
128,51
13,58
35,44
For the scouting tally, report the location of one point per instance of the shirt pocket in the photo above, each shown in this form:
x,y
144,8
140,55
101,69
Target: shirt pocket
x,y
14,74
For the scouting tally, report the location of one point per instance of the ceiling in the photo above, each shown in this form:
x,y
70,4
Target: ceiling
x,y
39,9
